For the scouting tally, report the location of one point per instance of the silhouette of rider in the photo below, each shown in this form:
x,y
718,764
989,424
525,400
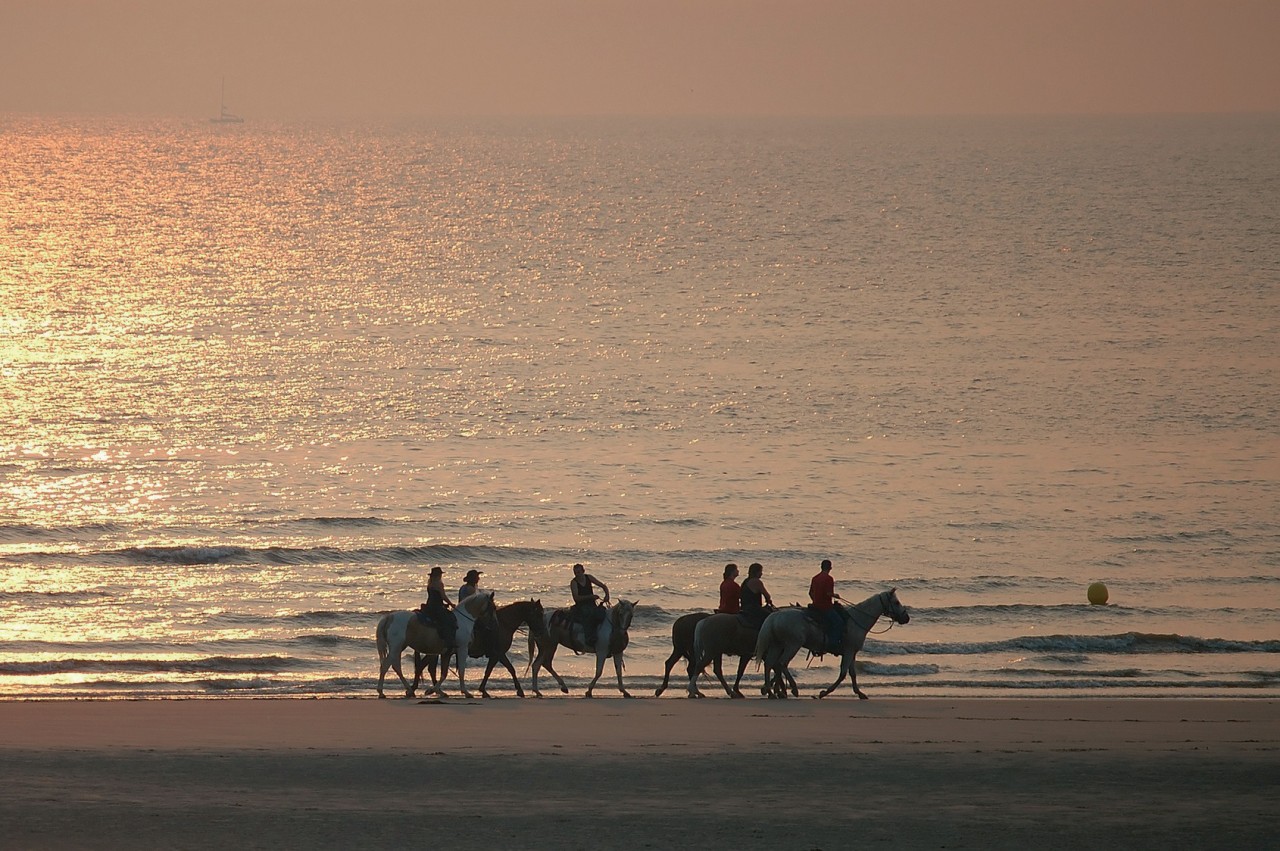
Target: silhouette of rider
x,y
730,592
756,602
437,608
822,591
585,608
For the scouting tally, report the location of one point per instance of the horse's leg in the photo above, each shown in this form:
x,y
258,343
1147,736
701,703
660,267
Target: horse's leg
x,y
717,665
666,675
617,666
511,669
545,657
395,663
383,665
484,682
601,655
742,666
846,669
853,677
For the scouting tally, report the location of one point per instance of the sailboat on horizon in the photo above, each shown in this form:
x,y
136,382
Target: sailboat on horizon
x,y
224,116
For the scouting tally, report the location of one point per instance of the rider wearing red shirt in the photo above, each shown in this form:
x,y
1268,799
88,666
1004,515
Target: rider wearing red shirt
x,y
730,592
822,590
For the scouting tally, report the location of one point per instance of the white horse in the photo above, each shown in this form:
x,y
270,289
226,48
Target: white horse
x,y
398,631
787,630
611,640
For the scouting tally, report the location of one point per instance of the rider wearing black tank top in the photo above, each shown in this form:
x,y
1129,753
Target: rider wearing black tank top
x,y
755,597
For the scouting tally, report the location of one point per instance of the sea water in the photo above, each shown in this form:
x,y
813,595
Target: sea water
x,y
259,379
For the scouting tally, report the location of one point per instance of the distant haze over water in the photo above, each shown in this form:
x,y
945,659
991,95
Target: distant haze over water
x,y
260,379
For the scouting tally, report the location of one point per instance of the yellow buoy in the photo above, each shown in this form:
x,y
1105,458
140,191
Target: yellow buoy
x,y
1098,594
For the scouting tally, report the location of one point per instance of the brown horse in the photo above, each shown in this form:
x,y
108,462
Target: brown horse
x,y
714,638
611,640
681,645
497,643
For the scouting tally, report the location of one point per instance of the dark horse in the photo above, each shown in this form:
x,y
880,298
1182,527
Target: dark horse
x,y
682,645
497,643
494,641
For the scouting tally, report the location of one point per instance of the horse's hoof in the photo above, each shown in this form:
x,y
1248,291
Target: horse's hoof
x,y
627,694
862,696
565,690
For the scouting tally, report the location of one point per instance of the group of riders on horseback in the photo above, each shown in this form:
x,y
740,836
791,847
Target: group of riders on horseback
x,y
752,603
745,624
588,610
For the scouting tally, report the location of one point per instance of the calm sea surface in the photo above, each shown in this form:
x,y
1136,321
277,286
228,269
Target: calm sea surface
x,y
255,381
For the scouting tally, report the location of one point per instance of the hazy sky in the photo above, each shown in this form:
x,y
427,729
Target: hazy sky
x,y
342,58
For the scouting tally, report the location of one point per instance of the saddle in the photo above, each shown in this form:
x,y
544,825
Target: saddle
x,y
564,619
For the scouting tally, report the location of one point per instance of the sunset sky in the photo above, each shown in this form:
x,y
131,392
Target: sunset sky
x,y
383,58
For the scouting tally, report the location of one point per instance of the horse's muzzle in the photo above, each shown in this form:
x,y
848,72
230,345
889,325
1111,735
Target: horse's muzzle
x,y
906,617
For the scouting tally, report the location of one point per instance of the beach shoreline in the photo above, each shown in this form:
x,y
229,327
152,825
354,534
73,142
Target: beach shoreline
x,y
644,773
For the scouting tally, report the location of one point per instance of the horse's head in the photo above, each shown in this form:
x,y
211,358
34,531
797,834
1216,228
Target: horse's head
x,y
537,619
893,608
622,614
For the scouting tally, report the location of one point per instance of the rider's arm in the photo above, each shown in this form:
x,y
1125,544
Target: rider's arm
x,y
603,587
765,591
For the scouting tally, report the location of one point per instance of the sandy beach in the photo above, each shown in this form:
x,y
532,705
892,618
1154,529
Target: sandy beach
x,y
612,773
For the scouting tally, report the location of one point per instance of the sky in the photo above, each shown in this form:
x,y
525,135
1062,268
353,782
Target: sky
x,y
298,59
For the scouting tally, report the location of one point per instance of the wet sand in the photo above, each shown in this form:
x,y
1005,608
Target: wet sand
x,y
569,773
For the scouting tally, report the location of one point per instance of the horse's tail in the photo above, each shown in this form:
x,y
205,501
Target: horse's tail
x,y
381,636
533,647
699,646
764,638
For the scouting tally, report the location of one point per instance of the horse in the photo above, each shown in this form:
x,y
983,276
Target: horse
x,y
400,630
496,643
785,631
715,637
611,640
682,645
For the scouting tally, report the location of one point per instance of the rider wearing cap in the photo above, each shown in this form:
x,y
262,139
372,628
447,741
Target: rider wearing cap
x,y
437,608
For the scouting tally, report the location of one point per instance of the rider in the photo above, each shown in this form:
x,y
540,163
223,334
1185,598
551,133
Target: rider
x,y
585,608
470,584
755,597
730,592
437,608
822,590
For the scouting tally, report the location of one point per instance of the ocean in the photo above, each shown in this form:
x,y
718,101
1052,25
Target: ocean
x,y
258,379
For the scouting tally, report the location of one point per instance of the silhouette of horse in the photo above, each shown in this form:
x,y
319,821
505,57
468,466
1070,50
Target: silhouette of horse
x,y
714,638
785,631
497,643
398,631
682,645
611,640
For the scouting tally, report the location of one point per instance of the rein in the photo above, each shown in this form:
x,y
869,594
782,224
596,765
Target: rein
x,y
867,629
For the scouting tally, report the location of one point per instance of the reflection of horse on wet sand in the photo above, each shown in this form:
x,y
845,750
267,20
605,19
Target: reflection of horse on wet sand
x,y
611,640
784,632
398,631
